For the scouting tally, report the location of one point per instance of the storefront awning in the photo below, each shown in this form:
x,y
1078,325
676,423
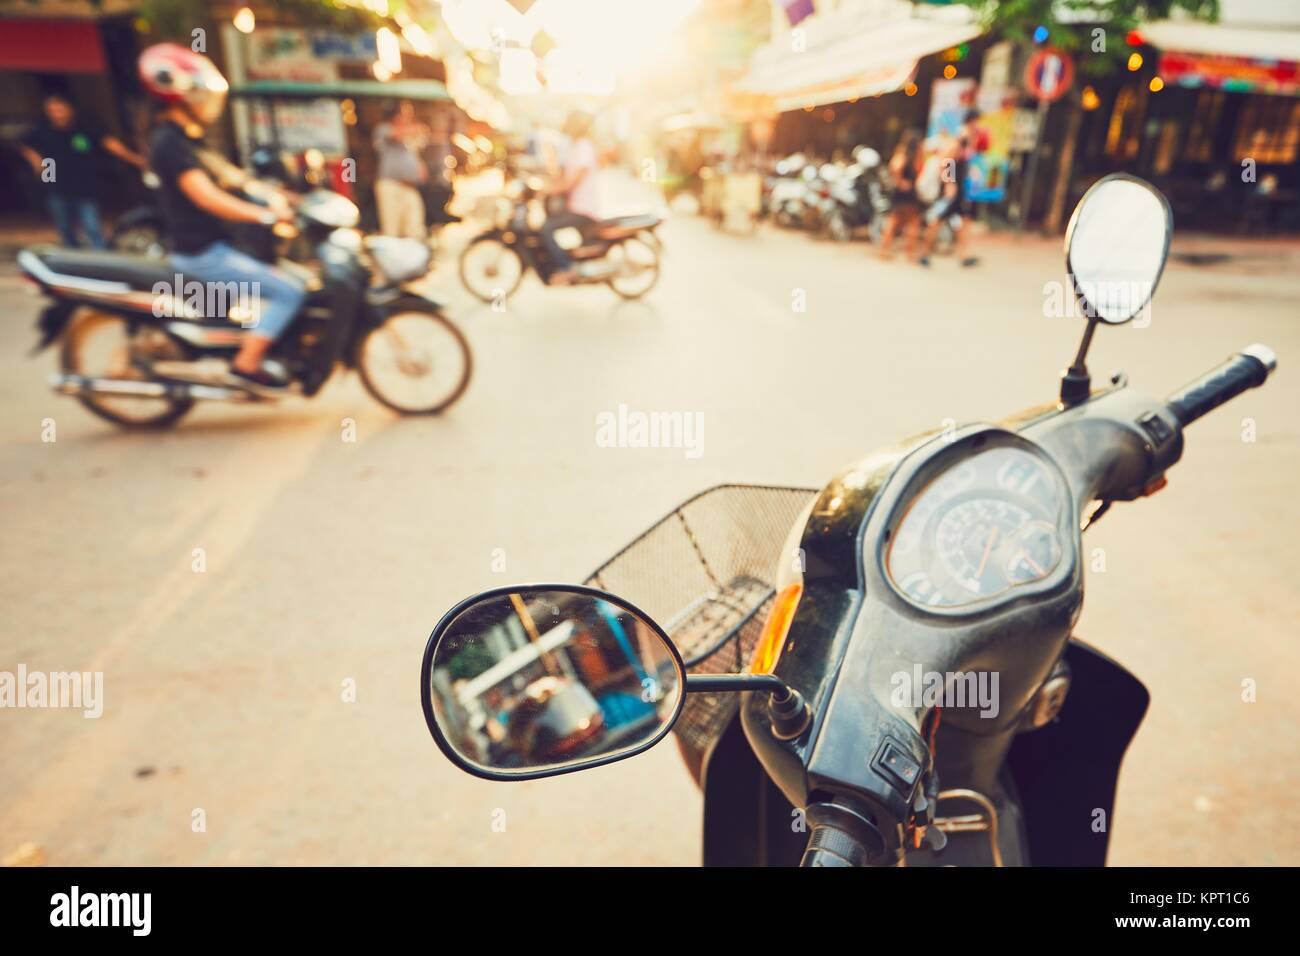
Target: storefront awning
x,y
1229,58
695,120
1220,40
334,89
51,46
869,61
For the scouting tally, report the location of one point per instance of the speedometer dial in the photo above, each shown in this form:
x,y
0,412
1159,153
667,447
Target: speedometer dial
x,y
969,535
985,526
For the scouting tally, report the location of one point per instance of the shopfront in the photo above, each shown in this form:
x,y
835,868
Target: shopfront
x,y
1215,124
86,53
860,73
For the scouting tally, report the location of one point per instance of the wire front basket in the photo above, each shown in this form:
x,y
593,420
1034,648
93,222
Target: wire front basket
x,y
706,572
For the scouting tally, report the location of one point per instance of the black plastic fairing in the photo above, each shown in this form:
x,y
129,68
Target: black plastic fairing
x,y
1066,772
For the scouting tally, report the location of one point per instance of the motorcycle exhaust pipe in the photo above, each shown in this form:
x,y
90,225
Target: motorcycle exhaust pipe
x,y
68,384
80,385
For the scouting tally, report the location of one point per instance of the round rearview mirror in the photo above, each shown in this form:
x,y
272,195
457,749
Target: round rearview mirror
x,y
530,681
1116,246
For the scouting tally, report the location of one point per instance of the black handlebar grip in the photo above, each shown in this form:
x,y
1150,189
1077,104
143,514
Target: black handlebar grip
x,y
830,846
842,835
1249,368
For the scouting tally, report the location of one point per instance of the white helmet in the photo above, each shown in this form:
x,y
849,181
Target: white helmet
x,y
866,157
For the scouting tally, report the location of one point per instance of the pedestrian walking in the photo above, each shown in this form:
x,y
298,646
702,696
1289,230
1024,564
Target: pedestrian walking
x,y
905,208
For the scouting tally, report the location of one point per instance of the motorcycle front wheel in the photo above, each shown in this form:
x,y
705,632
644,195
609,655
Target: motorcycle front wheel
x,y
637,263
100,345
838,228
490,269
416,362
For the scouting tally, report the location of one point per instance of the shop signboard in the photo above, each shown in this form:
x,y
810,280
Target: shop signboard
x,y
986,179
949,102
295,55
272,47
1231,73
1024,130
986,171
996,72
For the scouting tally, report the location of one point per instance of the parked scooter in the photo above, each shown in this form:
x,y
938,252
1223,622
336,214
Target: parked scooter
x,y
859,198
622,253
908,688
789,194
140,344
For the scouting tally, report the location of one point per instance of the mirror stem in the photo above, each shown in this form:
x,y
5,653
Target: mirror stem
x,y
786,707
1076,383
713,683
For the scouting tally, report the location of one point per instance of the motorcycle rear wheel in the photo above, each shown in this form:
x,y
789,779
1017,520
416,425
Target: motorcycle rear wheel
x,y
646,260
87,332
398,364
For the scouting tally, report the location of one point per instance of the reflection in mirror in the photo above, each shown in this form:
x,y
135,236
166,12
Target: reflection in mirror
x,y
532,679
1116,249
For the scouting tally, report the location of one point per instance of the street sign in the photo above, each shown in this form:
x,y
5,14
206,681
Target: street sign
x,y
1049,74
1024,131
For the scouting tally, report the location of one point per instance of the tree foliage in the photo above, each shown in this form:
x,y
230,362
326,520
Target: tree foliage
x,y
175,19
1071,23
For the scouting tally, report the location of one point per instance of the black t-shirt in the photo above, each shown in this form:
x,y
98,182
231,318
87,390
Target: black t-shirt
x,y
172,153
77,155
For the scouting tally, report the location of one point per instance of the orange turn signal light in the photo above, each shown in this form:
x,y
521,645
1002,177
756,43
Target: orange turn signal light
x,y
772,640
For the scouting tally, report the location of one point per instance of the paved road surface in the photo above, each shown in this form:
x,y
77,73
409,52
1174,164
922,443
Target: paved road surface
x,y
329,561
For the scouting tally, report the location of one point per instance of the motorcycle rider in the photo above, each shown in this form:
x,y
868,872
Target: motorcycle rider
x,y
195,206
577,186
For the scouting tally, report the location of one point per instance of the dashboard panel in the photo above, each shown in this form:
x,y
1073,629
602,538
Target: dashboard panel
x,y
986,525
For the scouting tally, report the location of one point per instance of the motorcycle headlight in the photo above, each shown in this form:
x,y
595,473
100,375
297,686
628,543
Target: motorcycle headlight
x,y
399,259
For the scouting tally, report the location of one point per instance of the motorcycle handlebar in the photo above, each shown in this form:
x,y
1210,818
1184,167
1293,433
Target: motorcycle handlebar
x,y
1248,369
829,846
843,834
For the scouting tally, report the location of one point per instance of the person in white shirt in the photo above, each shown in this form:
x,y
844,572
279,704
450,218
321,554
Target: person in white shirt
x,y
578,186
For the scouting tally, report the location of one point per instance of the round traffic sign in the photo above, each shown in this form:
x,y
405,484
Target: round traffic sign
x,y
1049,74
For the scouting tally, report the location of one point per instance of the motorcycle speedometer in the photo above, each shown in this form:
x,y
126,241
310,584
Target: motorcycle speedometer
x,y
985,525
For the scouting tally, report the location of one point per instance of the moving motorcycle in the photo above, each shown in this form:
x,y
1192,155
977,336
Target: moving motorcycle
x,y
897,683
622,253
140,344
142,230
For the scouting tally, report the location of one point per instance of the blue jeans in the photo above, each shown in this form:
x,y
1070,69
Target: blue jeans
x,y
275,296
560,259
70,214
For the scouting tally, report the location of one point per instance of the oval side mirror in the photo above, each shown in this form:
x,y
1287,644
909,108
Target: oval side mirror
x,y
1116,247
535,680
